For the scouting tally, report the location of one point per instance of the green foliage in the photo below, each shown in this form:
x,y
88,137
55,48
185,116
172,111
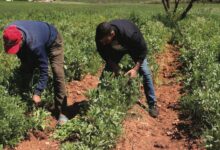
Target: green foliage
x,y
168,20
7,66
14,123
200,40
114,1
156,36
101,125
136,18
212,137
75,146
39,119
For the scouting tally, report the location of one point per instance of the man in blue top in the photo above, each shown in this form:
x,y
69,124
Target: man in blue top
x,y
116,38
35,43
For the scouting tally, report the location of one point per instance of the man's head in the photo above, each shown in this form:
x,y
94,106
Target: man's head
x,y
12,37
105,33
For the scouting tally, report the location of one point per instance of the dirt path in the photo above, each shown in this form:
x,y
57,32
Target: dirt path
x,y
141,132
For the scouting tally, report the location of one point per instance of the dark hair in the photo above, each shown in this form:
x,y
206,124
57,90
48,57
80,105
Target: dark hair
x,y
103,29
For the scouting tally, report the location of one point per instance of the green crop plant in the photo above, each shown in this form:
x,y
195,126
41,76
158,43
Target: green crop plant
x,y
39,118
100,126
14,123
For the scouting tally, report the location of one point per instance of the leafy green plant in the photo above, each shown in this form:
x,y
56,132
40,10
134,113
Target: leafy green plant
x,y
101,125
39,118
212,137
14,123
76,146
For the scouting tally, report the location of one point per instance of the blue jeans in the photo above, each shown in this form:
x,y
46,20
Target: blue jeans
x,y
144,71
147,83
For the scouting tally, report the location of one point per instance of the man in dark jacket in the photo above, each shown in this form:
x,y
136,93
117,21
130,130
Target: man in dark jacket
x,y
35,42
116,38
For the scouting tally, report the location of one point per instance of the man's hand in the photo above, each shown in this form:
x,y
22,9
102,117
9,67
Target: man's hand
x,y
36,99
132,73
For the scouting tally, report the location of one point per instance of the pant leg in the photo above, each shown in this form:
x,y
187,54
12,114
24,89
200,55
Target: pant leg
x,y
56,57
147,82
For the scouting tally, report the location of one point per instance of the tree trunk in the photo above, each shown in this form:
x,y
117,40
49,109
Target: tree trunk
x,y
164,5
168,4
176,5
187,9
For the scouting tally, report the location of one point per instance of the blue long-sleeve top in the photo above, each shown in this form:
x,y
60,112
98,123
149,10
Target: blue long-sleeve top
x,y
37,39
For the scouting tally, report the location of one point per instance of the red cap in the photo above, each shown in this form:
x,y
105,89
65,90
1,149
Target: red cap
x,y
12,39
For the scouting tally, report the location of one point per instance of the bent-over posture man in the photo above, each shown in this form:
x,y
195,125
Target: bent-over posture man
x,y
35,43
116,38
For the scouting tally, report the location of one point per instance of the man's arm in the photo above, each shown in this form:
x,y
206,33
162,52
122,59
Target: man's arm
x,y
42,58
138,43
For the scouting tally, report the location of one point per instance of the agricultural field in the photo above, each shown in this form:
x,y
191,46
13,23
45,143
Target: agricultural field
x,y
98,124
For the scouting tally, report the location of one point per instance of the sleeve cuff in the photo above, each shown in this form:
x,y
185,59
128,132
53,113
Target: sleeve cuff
x,y
37,92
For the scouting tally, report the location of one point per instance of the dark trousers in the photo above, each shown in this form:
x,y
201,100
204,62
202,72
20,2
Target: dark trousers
x,y
56,58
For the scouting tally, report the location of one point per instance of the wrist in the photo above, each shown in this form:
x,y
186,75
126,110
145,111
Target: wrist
x,y
137,66
37,92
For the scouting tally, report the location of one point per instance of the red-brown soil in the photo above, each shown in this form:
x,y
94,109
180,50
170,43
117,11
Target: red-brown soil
x,y
141,132
38,140
78,89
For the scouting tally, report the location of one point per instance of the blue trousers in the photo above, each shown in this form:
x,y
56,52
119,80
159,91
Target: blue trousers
x,y
144,71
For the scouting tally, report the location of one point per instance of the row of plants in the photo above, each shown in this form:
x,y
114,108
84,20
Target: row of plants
x,y
77,24
199,38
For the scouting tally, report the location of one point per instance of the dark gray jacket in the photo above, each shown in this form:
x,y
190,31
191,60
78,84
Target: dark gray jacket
x,y
129,36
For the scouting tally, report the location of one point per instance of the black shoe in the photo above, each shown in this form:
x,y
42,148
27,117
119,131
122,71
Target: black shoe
x,y
153,111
